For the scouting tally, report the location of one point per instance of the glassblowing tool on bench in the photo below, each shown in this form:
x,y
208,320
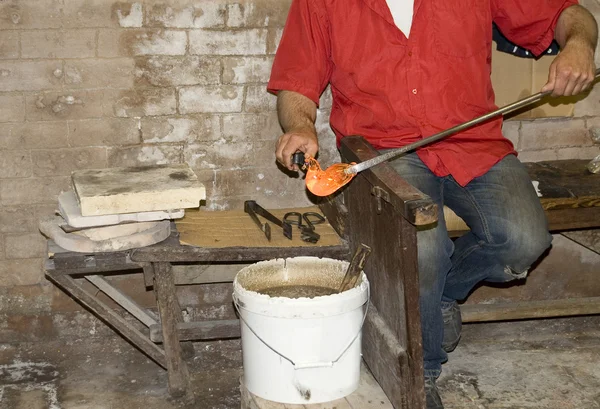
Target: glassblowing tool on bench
x,y
307,229
325,182
254,209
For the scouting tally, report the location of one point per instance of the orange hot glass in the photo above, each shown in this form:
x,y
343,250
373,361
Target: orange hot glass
x,y
325,182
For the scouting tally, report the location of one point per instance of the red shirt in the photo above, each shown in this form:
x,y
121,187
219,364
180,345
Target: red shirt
x,y
393,90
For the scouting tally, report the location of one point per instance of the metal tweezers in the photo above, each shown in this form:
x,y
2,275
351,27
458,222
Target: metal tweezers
x,y
254,210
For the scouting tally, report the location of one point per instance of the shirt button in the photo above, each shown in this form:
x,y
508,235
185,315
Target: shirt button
x,y
414,91
410,53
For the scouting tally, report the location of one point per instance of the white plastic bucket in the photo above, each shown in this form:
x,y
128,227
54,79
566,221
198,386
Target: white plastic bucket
x,y
300,350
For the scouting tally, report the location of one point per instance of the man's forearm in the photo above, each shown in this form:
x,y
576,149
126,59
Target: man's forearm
x,y
576,25
296,112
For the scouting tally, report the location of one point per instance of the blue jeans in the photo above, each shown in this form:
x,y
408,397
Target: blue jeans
x,y
508,232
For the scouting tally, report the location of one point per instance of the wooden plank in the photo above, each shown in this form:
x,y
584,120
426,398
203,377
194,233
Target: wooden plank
x,y
200,330
393,275
179,253
410,203
530,309
106,314
206,273
386,358
145,317
573,218
178,374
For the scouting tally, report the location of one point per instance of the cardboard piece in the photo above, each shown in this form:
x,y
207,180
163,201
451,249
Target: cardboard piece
x,y
235,228
515,78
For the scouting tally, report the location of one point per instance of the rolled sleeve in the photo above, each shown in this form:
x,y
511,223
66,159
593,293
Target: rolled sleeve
x,y
302,62
529,24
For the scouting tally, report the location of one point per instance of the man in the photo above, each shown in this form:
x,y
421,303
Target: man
x,y
401,71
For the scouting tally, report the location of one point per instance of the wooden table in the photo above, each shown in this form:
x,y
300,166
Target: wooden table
x,y
378,209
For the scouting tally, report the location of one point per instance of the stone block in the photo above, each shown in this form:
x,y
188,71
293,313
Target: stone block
x,y
538,156
226,98
258,13
73,104
9,45
99,73
15,164
30,75
104,132
510,129
90,13
153,42
17,219
58,44
19,246
141,102
579,152
242,42
266,180
26,14
253,127
12,109
145,155
553,133
33,135
166,71
590,104
61,162
109,44
244,70
188,129
186,14
224,155
137,189
21,272
259,100
15,192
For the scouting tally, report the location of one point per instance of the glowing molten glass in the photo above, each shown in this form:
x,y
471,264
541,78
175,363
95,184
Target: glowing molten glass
x,y
324,183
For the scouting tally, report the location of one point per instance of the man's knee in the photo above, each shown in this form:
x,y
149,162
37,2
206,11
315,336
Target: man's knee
x,y
522,251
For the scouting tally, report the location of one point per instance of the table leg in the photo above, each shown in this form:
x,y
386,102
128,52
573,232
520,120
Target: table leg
x,y
169,310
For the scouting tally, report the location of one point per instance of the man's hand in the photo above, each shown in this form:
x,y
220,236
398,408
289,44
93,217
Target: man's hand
x,y
572,71
304,140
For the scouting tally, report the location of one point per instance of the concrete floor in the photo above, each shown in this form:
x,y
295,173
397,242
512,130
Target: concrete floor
x,y
549,364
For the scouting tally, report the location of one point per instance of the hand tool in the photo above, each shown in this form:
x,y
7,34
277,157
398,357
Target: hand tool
x,y
254,210
307,229
355,267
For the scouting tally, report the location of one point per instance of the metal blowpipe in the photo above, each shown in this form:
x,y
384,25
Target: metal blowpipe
x,y
359,167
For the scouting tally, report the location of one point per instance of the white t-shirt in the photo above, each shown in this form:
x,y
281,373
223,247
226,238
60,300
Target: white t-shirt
x,y
402,12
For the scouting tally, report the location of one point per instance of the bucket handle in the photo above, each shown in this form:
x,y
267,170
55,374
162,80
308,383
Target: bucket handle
x,y
308,365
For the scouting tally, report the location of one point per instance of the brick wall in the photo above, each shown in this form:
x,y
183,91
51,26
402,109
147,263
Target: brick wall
x,y
99,83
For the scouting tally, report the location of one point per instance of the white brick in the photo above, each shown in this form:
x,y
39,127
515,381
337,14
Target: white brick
x,y
187,129
259,100
155,42
273,40
164,71
243,42
237,127
244,70
590,105
510,130
12,108
99,73
73,104
261,13
225,98
205,14
553,133
145,155
30,75
9,44
15,164
580,152
58,44
33,135
26,14
104,132
15,192
143,102
538,156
